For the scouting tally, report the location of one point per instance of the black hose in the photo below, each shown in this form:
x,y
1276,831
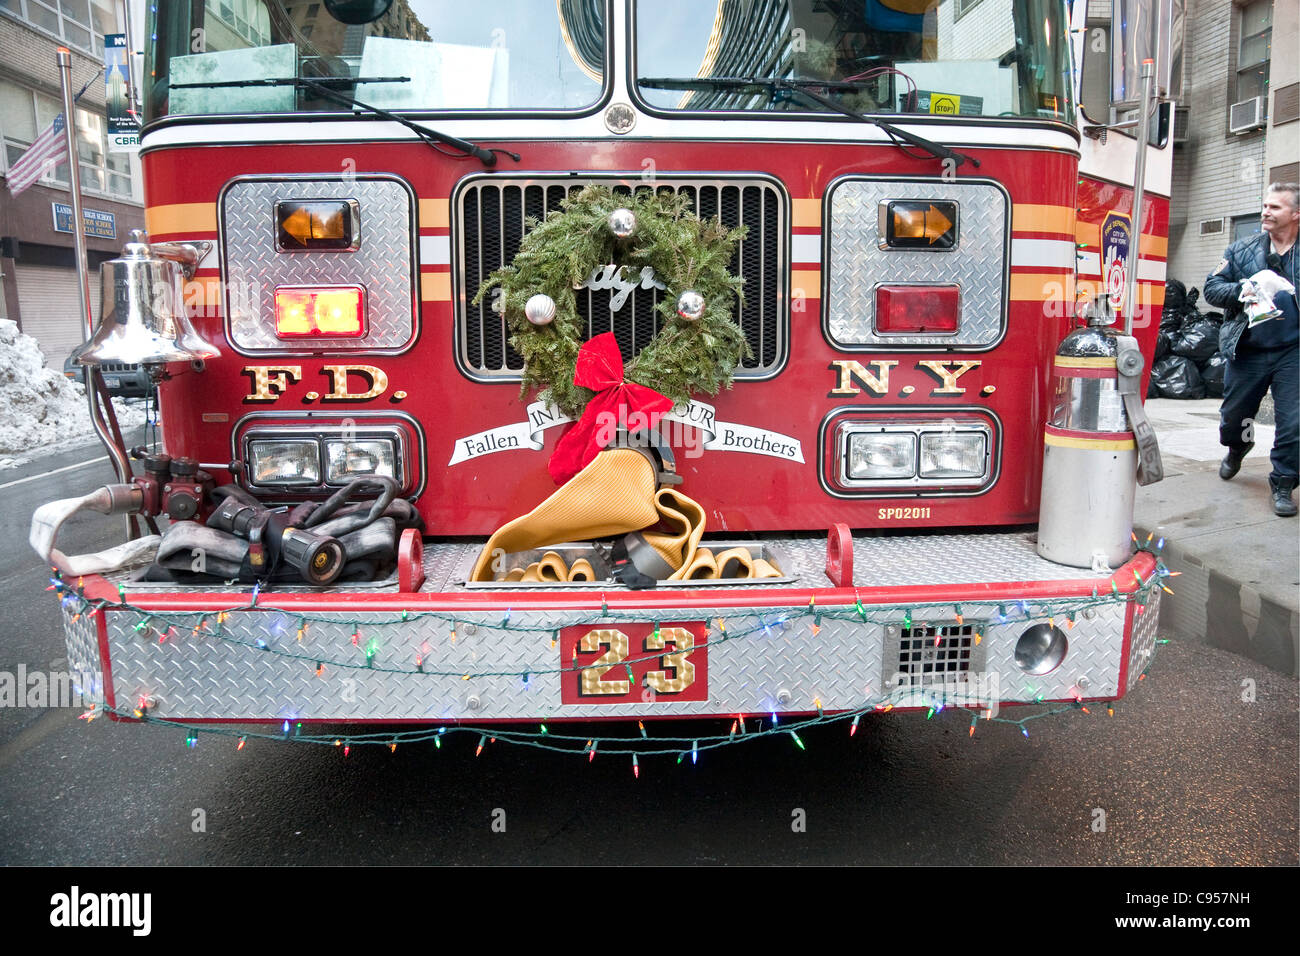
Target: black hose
x,y
337,500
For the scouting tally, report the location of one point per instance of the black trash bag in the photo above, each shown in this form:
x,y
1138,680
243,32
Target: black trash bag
x,y
1153,390
1163,344
1212,370
1198,339
1175,295
1171,320
1193,296
1176,376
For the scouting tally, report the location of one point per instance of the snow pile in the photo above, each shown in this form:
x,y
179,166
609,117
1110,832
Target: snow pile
x,y
38,406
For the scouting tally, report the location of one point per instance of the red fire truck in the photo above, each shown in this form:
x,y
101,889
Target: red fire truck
x,y
920,212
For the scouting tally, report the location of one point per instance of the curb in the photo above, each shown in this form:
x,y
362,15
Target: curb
x,y
1210,607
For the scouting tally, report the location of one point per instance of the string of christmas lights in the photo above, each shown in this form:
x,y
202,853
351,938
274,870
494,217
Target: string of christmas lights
x,y
171,626
681,748
936,698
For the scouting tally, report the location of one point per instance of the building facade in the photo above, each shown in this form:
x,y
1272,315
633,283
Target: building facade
x,y
40,286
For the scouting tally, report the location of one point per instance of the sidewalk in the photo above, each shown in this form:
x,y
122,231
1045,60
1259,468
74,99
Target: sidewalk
x,y
1240,584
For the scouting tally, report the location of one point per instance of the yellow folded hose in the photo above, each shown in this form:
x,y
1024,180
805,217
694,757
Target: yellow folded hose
x,y
615,495
612,495
581,570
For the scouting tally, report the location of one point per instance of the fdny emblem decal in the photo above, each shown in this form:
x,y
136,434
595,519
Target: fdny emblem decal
x,y
1116,234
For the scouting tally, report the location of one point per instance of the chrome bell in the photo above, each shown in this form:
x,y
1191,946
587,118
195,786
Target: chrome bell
x,y
143,320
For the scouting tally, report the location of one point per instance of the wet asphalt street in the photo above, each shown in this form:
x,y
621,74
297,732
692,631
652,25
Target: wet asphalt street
x,y
1185,772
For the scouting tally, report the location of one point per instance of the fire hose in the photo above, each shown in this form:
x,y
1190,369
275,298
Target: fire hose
x,y
108,500
317,543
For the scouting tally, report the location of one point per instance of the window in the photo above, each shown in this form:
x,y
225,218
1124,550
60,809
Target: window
x,y
25,114
79,23
240,23
1253,50
1243,227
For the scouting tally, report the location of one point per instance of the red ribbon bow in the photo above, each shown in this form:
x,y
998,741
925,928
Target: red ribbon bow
x,y
617,404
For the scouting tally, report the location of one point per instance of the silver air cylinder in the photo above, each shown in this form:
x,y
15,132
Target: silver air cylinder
x,y
1089,457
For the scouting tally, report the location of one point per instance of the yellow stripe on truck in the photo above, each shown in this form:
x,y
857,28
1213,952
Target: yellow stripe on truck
x,y
1031,217
184,217
435,213
435,286
807,213
1041,286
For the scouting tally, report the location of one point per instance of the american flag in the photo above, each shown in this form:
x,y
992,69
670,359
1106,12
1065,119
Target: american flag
x,y
50,149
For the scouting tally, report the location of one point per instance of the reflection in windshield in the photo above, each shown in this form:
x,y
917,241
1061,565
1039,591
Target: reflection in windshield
x,y
941,57
508,54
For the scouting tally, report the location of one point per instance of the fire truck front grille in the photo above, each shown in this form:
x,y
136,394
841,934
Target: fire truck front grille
x,y
491,216
934,654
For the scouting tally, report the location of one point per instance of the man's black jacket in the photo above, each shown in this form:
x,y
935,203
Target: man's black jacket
x,y
1241,260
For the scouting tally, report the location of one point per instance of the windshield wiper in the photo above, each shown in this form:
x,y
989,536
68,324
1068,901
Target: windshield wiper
x,y
322,87
772,84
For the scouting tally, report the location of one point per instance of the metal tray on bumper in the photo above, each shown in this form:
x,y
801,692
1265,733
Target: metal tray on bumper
x,y
926,616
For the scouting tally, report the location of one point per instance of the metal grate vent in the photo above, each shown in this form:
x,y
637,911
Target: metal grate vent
x,y
935,654
491,217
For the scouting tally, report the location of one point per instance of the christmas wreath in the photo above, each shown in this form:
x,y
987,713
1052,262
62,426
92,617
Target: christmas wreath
x,y
655,238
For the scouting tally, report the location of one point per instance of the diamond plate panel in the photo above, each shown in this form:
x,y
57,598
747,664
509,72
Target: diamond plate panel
x,y
477,675
857,264
1143,644
957,559
1091,664
383,264
477,668
879,561
84,664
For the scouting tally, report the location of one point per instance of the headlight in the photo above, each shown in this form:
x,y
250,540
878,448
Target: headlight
x,y
952,454
906,454
345,460
881,455
284,462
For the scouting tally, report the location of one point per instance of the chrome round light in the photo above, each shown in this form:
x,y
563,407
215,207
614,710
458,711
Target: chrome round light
x,y
1041,649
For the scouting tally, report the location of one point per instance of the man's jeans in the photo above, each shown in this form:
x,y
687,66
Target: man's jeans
x,y
1245,380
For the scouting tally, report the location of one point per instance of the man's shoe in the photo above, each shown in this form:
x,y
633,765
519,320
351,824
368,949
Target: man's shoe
x,y
1283,504
1231,463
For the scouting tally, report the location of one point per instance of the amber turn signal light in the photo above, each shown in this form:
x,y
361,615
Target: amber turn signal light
x,y
918,224
312,312
329,225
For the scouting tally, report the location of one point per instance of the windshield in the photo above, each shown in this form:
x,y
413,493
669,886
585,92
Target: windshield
x,y
940,57
419,55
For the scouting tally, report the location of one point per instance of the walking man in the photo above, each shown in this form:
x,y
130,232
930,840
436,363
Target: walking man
x,y
1264,355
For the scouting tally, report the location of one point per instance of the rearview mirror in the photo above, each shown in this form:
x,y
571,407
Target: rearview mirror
x,y
1146,30
357,11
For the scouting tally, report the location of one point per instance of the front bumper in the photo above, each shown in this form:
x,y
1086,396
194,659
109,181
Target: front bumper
x,y
925,620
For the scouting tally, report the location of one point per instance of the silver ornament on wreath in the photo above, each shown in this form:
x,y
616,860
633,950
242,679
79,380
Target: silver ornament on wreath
x,y
690,306
540,309
622,223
